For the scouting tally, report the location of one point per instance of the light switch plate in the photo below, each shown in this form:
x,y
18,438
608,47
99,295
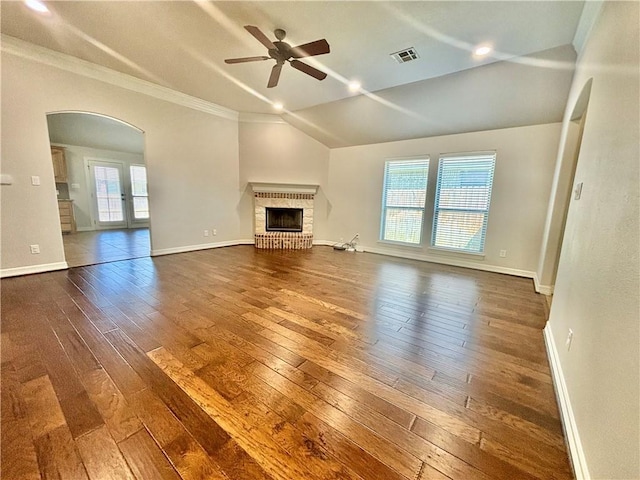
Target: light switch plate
x,y
35,180
578,191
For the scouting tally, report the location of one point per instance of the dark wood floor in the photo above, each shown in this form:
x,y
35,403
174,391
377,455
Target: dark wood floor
x,y
235,363
102,246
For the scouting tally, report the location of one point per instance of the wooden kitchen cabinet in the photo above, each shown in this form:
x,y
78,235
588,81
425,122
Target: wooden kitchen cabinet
x,y
59,164
67,219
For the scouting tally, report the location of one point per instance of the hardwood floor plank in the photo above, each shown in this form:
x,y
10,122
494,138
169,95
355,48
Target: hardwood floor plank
x,y
260,447
145,458
58,457
120,419
101,456
19,459
42,406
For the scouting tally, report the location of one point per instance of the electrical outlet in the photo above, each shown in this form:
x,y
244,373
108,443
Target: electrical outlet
x,y
569,339
215,232
206,233
503,253
35,248
578,191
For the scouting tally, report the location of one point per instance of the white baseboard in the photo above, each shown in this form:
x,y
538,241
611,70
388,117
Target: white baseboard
x,y
46,267
324,243
456,262
85,229
576,453
543,289
202,246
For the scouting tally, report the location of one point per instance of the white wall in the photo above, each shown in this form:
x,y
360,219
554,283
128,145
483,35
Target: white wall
x,y
280,153
597,286
78,175
192,160
524,171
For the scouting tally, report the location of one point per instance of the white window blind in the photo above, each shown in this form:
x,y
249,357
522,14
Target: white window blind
x,y
463,196
404,195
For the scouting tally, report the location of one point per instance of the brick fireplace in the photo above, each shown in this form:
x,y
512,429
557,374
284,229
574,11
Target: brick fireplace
x,y
286,201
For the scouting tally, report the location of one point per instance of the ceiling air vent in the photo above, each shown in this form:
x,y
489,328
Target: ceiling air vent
x,y
406,55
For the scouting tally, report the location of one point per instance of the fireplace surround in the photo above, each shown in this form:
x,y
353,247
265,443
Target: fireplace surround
x,y
295,202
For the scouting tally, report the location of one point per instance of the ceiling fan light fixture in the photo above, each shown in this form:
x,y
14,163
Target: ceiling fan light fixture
x,y
37,6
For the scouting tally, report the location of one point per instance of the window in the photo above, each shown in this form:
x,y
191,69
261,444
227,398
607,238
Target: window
x,y
463,195
139,192
403,198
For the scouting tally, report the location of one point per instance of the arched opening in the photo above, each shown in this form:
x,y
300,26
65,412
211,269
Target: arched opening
x,y
564,189
101,185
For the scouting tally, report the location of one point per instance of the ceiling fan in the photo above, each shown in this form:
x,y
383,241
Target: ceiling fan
x,y
283,52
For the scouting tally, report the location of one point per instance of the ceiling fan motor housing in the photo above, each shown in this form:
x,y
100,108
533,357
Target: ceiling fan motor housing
x,y
281,53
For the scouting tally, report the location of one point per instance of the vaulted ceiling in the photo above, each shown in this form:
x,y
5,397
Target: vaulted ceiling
x,y
182,45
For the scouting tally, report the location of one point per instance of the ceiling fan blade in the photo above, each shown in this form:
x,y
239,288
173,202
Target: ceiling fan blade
x,y
246,59
308,69
275,75
319,47
261,37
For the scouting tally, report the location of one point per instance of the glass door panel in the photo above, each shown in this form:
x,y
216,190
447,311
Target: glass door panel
x,y
108,194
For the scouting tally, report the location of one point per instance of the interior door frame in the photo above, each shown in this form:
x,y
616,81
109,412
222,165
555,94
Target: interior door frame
x,y
93,212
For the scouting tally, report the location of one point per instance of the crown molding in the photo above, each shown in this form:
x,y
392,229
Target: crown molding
x,y
29,51
590,13
260,118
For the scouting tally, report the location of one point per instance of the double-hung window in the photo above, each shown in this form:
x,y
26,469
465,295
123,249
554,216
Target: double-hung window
x,y
463,196
404,195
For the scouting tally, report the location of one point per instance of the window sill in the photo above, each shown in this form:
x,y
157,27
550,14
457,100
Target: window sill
x,y
400,244
455,253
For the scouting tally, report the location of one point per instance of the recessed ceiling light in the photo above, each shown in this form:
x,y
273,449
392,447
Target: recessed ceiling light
x,y
37,6
354,85
482,50
278,106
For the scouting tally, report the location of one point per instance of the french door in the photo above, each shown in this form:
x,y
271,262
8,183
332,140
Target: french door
x,y
109,196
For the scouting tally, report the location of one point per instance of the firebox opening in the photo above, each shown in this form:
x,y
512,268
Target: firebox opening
x,y
284,219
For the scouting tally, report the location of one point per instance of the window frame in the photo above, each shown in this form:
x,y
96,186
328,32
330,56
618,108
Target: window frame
x,y
425,161
469,158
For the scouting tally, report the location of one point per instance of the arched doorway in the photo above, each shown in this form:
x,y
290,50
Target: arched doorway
x,y
563,192
101,184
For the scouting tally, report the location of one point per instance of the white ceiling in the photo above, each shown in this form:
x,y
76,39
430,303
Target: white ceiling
x,y
182,45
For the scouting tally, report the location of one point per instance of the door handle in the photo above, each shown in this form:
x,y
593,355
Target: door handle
x,y
122,196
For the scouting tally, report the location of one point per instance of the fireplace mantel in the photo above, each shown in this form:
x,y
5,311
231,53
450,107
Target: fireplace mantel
x,y
260,187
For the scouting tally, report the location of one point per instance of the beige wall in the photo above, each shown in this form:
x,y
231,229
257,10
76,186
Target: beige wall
x,y
524,171
280,153
597,285
192,161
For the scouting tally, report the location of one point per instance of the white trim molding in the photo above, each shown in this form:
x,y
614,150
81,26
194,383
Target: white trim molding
x,y
543,289
572,436
203,246
260,118
29,51
590,13
28,270
448,261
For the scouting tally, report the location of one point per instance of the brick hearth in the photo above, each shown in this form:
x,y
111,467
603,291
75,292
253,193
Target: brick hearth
x,y
283,196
